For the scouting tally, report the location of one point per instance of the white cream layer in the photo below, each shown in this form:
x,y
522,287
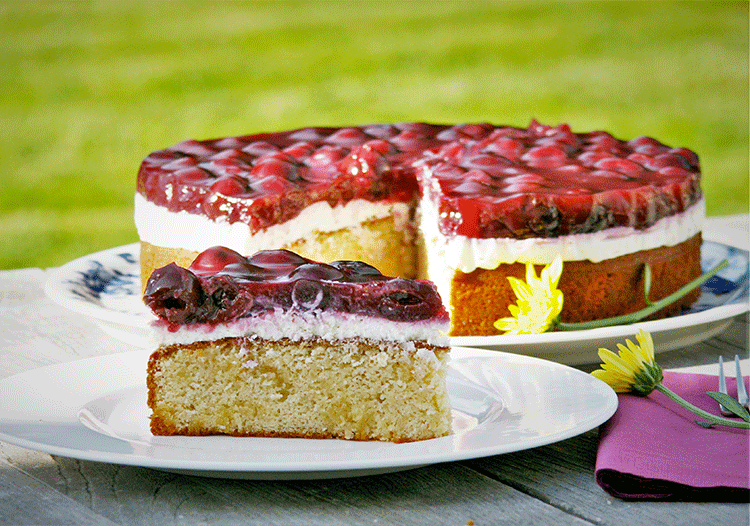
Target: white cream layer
x,y
299,326
160,227
468,254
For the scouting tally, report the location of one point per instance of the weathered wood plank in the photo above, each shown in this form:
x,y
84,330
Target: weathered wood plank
x,y
25,500
38,332
442,494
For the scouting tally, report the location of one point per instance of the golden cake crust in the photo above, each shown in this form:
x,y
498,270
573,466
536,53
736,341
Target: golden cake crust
x,y
591,290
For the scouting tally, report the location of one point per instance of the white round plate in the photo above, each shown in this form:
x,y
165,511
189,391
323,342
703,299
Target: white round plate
x,y
95,409
106,286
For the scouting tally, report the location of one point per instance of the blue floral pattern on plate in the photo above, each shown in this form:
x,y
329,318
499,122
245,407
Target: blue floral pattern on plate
x,y
100,279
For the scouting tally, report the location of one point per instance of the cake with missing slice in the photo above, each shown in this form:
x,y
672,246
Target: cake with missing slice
x,y
277,345
465,206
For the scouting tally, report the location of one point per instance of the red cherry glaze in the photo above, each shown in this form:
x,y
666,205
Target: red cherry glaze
x,y
229,186
214,260
275,167
191,175
180,163
276,259
221,286
259,148
531,174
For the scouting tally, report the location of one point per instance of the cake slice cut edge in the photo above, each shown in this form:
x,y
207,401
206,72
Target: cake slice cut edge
x,y
355,389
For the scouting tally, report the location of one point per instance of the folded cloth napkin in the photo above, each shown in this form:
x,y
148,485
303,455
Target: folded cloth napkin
x,y
653,449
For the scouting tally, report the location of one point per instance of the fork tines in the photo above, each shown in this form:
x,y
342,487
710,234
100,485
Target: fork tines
x,y
742,397
722,386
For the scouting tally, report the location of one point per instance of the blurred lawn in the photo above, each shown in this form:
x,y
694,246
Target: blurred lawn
x,y
90,88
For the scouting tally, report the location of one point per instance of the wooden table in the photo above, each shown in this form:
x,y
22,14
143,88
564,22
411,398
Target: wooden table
x,y
548,485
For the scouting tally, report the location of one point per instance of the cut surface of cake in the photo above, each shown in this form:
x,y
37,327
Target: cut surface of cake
x,y
277,345
607,207
465,206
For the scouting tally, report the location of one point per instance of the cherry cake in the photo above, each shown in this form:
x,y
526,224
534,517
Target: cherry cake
x,y
465,206
278,345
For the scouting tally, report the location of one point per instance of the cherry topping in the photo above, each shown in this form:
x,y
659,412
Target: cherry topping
x,y
194,148
506,147
176,291
229,143
160,158
692,159
259,148
180,163
306,134
545,157
474,131
451,150
244,271
590,158
410,140
365,159
276,258
405,299
228,156
273,167
266,179
308,295
326,155
300,150
229,186
357,269
191,175
646,145
381,131
618,164
214,259
347,137
316,271
221,285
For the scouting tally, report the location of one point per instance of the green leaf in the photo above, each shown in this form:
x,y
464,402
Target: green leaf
x,y
707,425
730,404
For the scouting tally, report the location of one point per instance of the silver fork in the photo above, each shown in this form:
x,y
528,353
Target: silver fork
x,y
742,397
723,386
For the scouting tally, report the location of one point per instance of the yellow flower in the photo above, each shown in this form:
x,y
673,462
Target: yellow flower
x,y
634,369
539,301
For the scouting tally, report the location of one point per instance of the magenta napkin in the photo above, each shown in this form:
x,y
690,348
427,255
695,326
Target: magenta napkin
x,y
653,449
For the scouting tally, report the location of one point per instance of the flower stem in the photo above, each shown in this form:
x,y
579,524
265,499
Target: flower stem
x,y
713,419
643,313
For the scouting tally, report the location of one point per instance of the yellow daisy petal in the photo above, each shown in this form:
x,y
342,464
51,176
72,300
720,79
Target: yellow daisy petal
x,y
632,369
539,302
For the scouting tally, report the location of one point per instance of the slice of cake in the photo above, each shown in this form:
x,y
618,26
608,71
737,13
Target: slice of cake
x,y
276,345
464,206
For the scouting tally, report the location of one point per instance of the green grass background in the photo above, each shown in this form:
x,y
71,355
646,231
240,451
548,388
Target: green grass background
x,y
87,89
